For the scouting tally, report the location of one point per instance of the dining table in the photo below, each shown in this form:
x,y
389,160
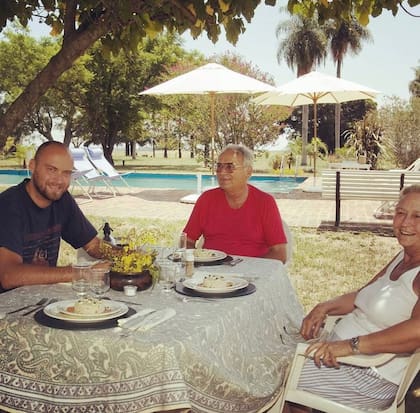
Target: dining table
x,y
229,353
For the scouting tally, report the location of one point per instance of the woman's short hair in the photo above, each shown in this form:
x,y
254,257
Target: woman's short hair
x,y
246,153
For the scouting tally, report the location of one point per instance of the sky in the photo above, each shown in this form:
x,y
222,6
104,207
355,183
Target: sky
x,y
386,64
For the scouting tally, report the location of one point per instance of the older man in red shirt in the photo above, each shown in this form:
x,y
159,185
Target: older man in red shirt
x,y
236,217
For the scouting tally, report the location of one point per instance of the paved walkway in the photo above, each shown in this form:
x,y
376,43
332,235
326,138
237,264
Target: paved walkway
x,y
164,204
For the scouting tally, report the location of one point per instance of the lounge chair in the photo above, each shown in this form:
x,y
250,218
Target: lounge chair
x,y
96,156
86,173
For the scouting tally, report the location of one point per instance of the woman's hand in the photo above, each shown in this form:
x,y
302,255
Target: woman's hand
x,y
326,352
313,322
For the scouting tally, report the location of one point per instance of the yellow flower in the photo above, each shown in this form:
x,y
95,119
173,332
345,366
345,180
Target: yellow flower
x,y
135,255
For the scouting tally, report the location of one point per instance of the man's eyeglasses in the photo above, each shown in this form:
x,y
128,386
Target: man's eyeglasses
x,y
229,167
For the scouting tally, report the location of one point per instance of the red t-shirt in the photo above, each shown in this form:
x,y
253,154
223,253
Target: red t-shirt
x,y
249,230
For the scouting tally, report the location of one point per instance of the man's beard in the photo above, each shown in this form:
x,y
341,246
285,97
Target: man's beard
x,y
43,191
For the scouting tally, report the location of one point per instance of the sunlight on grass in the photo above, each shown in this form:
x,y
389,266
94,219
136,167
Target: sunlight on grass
x,y
327,264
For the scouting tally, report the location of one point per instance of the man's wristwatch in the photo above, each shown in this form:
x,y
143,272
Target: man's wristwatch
x,y
354,344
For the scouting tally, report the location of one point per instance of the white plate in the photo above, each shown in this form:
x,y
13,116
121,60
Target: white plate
x,y
205,255
59,311
196,284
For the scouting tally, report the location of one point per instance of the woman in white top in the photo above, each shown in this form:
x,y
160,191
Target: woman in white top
x,y
382,317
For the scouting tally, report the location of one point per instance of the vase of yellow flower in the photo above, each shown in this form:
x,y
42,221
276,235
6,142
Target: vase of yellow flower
x,y
143,280
133,263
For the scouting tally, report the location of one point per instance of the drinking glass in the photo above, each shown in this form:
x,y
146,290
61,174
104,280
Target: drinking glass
x,y
167,274
99,281
80,279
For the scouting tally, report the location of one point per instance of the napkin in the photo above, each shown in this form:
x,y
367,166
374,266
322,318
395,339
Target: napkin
x,y
146,319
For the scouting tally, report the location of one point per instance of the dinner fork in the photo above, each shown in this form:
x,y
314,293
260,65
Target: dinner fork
x,y
42,301
48,301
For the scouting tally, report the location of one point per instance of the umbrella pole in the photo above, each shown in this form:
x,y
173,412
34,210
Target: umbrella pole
x,y
315,141
213,130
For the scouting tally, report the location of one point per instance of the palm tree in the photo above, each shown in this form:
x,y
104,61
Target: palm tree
x,y
344,37
303,47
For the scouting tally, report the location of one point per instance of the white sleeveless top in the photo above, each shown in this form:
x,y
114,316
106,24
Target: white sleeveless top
x,y
380,305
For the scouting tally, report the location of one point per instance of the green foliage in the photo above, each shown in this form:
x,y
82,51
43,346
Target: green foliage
x,y
401,121
339,10
123,24
304,45
113,111
343,37
366,137
117,25
17,69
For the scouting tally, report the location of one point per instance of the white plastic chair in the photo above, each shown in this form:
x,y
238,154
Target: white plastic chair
x,y
305,398
96,156
289,248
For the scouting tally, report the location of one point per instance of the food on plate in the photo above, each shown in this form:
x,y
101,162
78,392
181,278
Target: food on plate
x,y
88,305
203,253
215,281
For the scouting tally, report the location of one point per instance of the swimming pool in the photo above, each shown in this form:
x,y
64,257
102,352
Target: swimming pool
x,y
272,184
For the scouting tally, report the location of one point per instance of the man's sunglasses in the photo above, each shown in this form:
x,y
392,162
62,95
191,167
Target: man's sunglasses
x,y
229,167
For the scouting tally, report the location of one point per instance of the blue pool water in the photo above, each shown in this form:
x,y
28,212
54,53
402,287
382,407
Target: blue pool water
x,y
272,184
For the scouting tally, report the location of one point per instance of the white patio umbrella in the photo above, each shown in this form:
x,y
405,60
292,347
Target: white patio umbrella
x,y
210,79
314,88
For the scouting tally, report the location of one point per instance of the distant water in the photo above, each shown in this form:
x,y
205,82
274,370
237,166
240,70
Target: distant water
x,y
272,184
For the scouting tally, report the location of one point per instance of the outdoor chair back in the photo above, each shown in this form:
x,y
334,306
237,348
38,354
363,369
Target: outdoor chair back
x,y
293,394
86,173
97,157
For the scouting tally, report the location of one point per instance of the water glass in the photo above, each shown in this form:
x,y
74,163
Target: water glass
x,y
167,274
80,279
99,281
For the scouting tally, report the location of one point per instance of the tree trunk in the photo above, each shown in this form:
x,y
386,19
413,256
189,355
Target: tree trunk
x,y
337,111
133,150
108,153
68,134
337,121
73,47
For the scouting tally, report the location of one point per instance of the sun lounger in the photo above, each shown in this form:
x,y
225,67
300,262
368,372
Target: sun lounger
x,y
96,156
86,173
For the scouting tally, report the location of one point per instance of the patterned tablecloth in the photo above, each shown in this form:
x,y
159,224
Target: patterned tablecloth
x,y
225,355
